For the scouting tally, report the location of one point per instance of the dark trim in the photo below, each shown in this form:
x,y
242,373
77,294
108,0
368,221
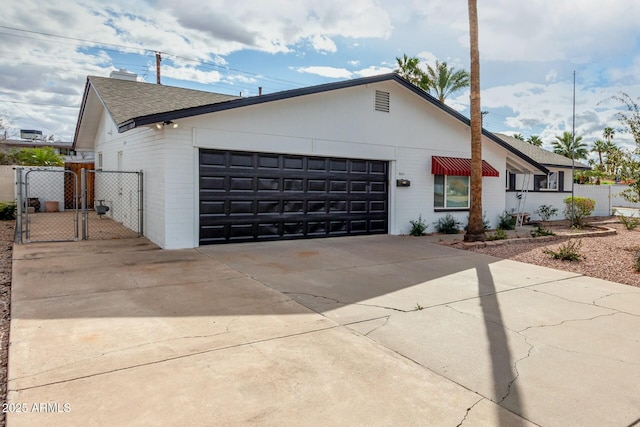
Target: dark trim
x,y
450,210
577,166
278,96
85,96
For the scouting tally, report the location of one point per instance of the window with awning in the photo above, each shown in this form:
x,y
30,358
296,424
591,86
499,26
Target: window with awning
x,y
456,166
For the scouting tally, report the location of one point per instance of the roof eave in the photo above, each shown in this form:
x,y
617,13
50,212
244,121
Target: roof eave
x,y
85,96
244,102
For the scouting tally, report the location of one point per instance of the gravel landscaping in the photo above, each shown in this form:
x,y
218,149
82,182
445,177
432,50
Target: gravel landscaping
x,y
606,257
6,250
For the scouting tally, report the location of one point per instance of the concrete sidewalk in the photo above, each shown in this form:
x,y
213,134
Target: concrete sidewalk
x,y
555,347
123,333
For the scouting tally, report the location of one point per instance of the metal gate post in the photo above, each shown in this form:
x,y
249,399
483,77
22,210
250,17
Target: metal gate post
x,y
140,204
20,205
83,201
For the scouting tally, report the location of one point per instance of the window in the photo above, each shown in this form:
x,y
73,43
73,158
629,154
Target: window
x,y
99,165
451,192
546,182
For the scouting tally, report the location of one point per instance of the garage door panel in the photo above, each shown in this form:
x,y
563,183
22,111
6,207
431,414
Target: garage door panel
x,y
263,196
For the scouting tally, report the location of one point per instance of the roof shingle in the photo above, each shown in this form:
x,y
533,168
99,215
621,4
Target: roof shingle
x,y
127,99
540,155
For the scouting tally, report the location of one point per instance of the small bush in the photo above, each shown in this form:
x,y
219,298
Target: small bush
x,y
636,260
569,251
7,211
541,231
448,225
630,222
582,208
418,227
546,212
507,222
500,234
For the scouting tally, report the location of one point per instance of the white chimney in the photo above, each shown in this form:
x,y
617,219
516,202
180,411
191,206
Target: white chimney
x,y
123,74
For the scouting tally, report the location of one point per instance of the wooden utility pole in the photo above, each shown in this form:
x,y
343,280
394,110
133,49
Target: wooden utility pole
x,y
158,60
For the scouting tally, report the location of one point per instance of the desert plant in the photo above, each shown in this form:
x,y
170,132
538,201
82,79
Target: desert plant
x,y
546,212
636,260
507,221
7,211
418,227
578,208
569,251
447,225
500,234
630,222
541,231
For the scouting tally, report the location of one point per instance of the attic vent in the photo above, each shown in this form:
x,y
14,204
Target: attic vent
x,y
382,101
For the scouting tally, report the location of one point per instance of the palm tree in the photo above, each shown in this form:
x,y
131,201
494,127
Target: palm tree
x,y
535,140
408,69
475,228
599,146
608,133
568,147
518,136
445,80
614,157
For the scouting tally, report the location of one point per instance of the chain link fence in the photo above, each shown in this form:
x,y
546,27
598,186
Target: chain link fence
x,y
47,218
59,205
112,204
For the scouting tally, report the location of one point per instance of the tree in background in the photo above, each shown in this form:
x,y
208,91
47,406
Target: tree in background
x,y
608,133
39,156
408,69
630,168
565,146
445,80
475,228
600,147
441,80
535,140
518,136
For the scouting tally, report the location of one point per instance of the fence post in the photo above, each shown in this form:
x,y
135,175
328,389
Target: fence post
x,y
83,201
20,205
140,204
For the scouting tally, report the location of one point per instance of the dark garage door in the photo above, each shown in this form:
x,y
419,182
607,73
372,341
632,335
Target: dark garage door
x,y
256,196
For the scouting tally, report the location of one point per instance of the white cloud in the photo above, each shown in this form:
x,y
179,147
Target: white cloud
x,y
323,43
373,71
190,73
331,72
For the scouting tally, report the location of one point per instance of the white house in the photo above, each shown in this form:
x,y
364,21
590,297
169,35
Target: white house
x,y
551,188
355,157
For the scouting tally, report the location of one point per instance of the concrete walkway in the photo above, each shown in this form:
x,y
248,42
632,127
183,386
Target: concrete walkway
x,y
376,330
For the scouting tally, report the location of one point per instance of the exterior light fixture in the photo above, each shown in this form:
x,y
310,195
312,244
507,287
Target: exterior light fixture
x,y
173,125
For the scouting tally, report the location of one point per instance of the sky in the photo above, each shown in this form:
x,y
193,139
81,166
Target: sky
x,y
529,51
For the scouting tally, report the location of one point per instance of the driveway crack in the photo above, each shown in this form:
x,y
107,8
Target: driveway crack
x,y
469,409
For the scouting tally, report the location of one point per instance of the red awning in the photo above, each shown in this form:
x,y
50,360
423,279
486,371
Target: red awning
x,y
458,167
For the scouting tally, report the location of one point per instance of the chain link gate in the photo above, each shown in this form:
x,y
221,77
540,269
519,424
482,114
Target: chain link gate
x,y
112,205
56,205
41,203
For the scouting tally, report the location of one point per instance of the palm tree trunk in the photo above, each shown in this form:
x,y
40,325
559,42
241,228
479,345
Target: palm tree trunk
x,y
475,228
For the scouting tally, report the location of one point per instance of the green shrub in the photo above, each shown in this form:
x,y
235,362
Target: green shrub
x,y
630,222
500,234
582,208
507,222
541,231
39,156
418,227
545,212
448,225
7,211
636,260
569,251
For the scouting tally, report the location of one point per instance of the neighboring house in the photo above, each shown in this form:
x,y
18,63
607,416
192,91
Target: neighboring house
x,y
355,157
64,149
549,188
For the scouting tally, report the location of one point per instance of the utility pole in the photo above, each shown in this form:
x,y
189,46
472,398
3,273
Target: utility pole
x,y
158,60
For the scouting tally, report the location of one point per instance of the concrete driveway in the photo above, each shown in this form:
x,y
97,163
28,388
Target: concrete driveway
x,y
376,330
